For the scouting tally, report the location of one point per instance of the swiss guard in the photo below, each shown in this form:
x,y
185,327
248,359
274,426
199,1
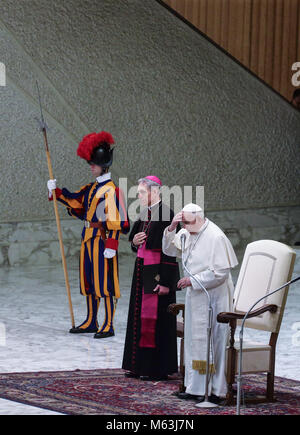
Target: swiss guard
x,y
100,205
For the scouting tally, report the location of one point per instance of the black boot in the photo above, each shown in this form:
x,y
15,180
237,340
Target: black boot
x,y
78,330
104,334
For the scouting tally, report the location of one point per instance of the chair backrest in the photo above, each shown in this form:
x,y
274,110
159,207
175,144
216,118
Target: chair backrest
x,y
266,265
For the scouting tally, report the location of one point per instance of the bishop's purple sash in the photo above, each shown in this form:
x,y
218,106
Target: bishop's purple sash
x,y
149,301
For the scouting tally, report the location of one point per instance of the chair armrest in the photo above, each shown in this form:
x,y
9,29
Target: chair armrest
x,y
226,317
176,308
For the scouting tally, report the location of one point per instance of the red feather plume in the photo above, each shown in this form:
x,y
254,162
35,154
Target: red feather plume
x,y
92,141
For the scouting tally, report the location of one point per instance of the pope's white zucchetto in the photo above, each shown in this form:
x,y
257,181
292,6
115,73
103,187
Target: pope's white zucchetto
x,y
192,208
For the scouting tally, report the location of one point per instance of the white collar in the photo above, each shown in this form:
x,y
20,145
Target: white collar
x,y
104,177
152,205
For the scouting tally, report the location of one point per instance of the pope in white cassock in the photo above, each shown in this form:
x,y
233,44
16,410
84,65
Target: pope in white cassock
x,y
209,256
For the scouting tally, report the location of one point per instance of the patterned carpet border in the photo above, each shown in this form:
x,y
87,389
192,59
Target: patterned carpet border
x,y
108,392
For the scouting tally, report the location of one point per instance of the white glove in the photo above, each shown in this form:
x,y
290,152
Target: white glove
x,y
109,253
51,184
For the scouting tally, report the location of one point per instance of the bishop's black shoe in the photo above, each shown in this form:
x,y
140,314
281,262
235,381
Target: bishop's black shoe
x,y
154,378
104,334
78,330
131,375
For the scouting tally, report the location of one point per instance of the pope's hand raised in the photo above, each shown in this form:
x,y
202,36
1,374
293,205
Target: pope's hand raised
x,y
176,220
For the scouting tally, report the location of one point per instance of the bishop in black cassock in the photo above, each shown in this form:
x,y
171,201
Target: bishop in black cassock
x,y
151,345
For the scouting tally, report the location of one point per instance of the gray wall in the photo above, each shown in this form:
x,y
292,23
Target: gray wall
x,y
176,105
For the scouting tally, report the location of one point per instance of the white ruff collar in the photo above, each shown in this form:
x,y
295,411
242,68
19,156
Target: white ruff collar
x,y
104,177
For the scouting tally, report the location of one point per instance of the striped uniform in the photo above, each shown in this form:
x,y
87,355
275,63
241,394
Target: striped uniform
x,y
98,202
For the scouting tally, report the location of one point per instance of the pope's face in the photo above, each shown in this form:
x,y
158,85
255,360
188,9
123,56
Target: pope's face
x,y
191,222
188,218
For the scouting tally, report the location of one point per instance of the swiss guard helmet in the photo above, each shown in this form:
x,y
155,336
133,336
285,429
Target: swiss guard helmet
x,y
96,148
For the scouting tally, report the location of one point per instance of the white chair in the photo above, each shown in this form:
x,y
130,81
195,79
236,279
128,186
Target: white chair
x,y
266,265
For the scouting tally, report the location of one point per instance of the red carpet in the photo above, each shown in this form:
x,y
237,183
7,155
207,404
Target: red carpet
x,y
108,392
